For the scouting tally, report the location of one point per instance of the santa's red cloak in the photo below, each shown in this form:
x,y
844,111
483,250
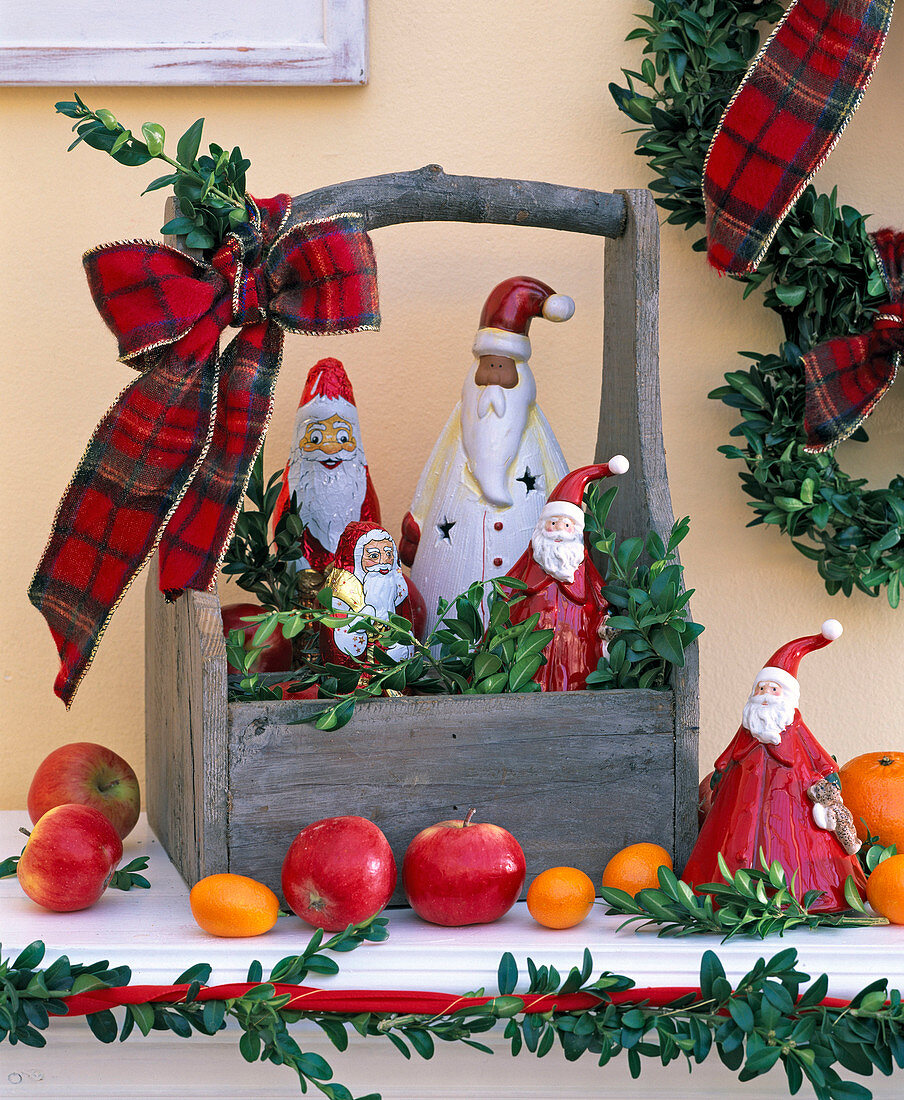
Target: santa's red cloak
x,y
761,803
575,611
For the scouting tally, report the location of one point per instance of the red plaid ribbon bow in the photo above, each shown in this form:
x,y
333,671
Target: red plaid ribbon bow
x,y
845,378
169,462
783,121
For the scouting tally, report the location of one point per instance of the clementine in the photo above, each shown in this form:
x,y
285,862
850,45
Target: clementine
x,y
872,786
635,867
885,889
560,897
233,905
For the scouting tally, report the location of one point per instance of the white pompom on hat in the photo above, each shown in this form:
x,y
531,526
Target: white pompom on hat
x,y
508,311
784,663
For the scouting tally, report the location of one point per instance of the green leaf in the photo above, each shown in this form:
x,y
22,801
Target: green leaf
x,y
507,974
667,643
189,143
742,1014
315,1067
29,957
154,136
103,1025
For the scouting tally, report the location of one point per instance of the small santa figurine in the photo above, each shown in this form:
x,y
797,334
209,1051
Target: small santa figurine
x,y
761,780
479,496
563,584
365,579
327,470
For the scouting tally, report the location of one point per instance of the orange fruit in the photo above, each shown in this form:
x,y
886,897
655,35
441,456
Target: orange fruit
x,y
885,889
233,905
872,786
634,868
560,897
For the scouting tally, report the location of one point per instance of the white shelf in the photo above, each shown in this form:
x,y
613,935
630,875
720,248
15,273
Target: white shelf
x,y
154,933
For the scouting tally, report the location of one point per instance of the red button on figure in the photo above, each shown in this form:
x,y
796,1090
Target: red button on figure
x,y
497,562
497,526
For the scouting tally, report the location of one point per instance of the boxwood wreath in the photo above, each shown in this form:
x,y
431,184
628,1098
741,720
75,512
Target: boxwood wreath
x,y
820,276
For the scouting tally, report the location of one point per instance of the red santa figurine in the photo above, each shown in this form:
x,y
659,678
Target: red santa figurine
x,y
479,496
365,579
327,470
761,783
563,584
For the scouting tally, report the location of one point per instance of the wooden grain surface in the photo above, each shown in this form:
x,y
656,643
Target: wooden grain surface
x,y
631,424
573,775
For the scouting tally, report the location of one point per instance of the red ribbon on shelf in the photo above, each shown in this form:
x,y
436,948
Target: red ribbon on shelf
x,y
421,1003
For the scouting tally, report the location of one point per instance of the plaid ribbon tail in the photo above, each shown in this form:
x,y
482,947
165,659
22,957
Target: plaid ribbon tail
x,y
197,536
783,121
113,511
845,378
170,461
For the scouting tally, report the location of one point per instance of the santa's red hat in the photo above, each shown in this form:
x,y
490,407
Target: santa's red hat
x,y
508,312
354,538
566,498
327,391
782,667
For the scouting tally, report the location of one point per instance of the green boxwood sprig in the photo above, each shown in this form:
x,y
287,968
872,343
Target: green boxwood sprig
x,y
819,276
210,189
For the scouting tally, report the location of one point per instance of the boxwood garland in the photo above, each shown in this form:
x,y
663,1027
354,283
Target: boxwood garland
x,y
820,276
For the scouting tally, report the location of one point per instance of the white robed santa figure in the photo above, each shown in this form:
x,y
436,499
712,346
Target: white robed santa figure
x,y
327,470
490,472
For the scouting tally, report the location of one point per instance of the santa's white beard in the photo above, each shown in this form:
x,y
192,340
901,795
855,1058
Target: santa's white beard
x,y
767,722
556,554
493,420
328,500
381,591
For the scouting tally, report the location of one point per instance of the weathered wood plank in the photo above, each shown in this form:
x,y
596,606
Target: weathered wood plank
x,y
428,194
631,424
185,728
574,776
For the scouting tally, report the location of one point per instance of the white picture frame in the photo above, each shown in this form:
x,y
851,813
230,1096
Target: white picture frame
x,y
128,42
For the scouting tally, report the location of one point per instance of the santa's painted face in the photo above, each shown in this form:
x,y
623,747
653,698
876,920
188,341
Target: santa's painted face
x,y
493,418
334,438
768,711
559,528
558,547
328,474
496,370
378,555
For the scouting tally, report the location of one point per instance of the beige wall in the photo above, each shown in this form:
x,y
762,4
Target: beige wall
x,y
519,92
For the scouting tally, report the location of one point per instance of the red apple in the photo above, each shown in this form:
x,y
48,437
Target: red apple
x,y
458,873
70,858
90,775
277,654
337,872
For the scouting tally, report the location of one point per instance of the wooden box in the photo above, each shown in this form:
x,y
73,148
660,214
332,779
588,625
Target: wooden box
x,y
574,776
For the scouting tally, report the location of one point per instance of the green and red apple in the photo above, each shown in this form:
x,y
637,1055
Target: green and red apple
x,y
69,860
91,775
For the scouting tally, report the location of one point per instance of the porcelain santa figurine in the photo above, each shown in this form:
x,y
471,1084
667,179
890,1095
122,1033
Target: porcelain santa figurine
x,y
327,470
365,579
563,585
479,496
761,782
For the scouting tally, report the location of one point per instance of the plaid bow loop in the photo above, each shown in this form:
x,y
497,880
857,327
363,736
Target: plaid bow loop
x,y
169,462
845,378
